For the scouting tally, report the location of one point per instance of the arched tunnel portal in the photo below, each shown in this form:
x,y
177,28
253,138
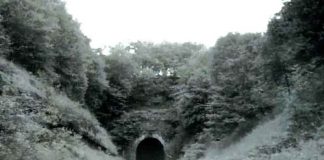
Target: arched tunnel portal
x,y
150,149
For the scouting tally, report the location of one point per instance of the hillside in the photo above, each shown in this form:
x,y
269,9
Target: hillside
x,y
39,123
268,141
252,96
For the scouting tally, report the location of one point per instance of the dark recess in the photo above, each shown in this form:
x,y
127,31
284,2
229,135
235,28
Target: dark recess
x,y
150,149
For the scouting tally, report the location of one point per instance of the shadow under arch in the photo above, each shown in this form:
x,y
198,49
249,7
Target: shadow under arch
x,y
150,149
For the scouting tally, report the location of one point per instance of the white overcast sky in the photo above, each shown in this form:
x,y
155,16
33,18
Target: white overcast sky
x,y
108,22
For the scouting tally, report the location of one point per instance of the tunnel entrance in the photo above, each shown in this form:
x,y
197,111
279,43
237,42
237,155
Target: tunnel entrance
x,y
150,149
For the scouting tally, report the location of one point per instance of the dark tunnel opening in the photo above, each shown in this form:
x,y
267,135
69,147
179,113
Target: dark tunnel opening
x,y
150,149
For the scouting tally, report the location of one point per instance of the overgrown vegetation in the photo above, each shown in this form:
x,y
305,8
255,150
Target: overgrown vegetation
x,y
292,69
38,123
220,94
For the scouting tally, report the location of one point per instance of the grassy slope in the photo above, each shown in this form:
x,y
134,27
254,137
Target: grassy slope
x,y
36,122
265,143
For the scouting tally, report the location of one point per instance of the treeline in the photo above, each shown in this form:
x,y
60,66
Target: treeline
x,y
42,37
218,90
253,75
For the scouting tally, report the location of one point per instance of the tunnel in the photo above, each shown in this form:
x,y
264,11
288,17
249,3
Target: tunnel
x,y
150,149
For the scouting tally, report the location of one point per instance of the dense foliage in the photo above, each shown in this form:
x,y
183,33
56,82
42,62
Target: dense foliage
x,y
45,40
295,44
219,94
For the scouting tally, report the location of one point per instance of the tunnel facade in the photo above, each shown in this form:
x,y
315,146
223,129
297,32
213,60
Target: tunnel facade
x,y
150,149
156,137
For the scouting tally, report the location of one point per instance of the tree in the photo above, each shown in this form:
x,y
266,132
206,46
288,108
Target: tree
x,y
71,50
193,92
165,58
192,100
46,41
294,53
29,25
297,31
122,68
97,81
237,77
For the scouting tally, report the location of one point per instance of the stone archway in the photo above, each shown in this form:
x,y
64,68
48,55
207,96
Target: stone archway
x,y
150,149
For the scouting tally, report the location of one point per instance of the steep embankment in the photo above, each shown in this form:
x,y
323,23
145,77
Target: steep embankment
x,y
36,122
268,142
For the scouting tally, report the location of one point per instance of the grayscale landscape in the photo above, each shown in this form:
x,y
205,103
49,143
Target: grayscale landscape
x,y
147,80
